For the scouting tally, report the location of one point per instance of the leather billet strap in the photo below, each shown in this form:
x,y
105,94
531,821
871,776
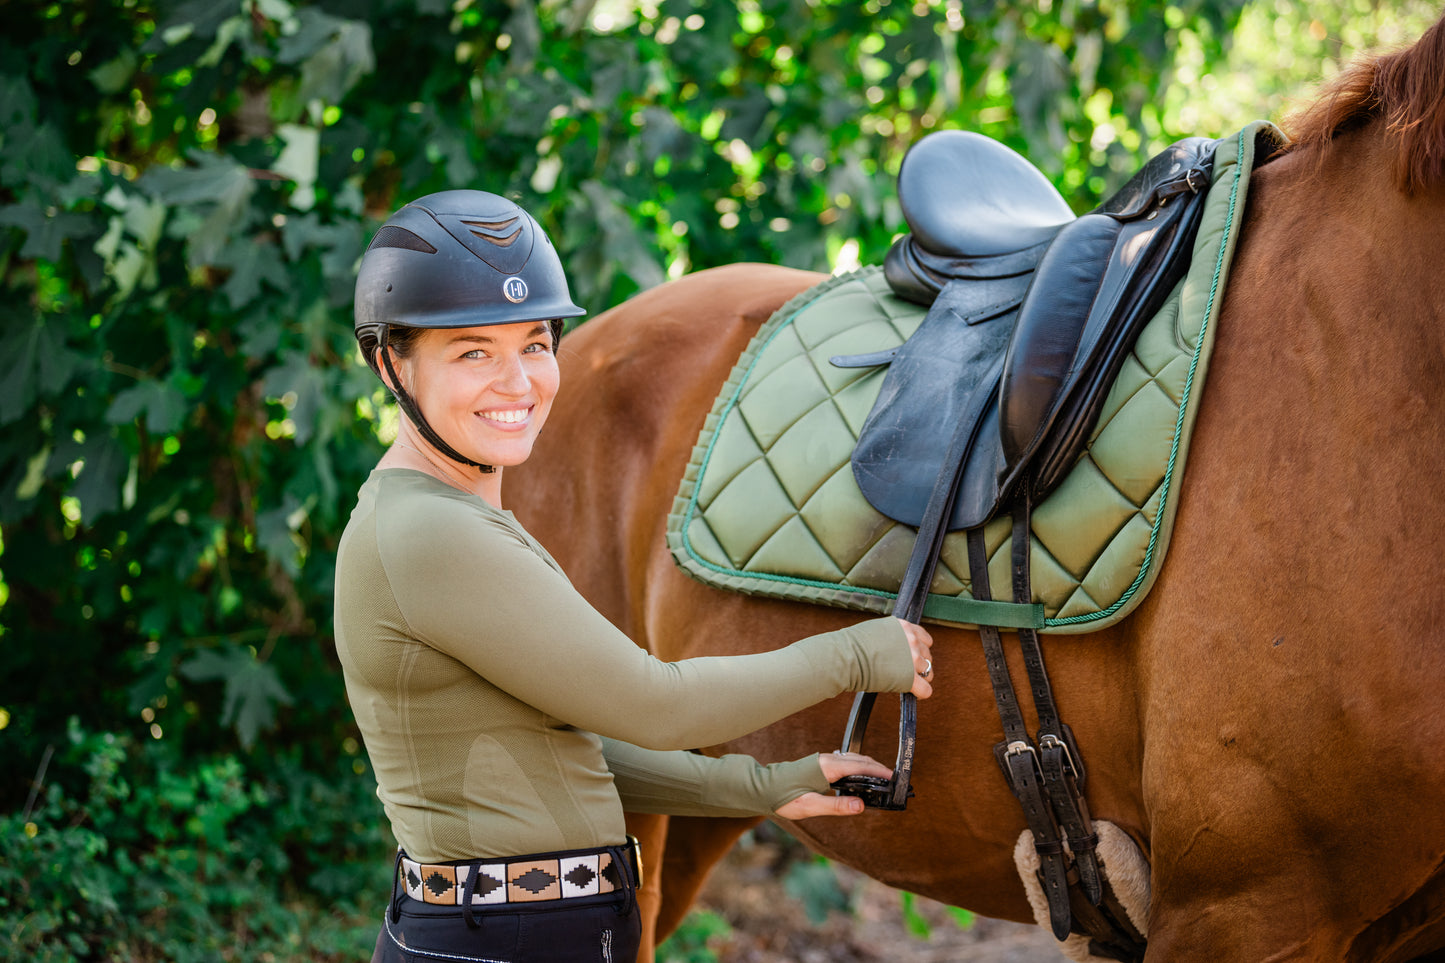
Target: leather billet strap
x,y
1047,774
1059,757
912,597
1018,756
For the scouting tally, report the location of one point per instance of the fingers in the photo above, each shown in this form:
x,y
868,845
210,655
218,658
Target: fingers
x,y
811,804
920,644
836,765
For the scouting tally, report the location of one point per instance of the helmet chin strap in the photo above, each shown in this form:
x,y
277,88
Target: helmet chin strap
x,y
414,413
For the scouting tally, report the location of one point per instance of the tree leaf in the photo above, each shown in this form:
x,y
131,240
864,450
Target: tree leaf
x,y
297,376
194,18
112,76
45,230
250,263
814,883
337,54
42,365
98,487
217,189
162,404
253,689
298,162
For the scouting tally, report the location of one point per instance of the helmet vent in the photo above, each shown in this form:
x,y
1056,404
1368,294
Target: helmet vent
x,y
494,231
392,236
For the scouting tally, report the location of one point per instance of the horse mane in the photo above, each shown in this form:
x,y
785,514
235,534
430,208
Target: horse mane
x,y
1406,89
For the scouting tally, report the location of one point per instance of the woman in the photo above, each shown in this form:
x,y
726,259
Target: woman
x,y
508,723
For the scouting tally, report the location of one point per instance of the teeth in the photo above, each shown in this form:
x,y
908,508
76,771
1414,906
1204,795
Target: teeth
x,y
510,417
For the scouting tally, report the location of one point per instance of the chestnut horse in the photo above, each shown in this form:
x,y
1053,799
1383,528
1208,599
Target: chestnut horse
x,y
1266,724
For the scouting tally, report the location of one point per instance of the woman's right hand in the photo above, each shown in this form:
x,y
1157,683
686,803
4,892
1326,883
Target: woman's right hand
x,y
920,644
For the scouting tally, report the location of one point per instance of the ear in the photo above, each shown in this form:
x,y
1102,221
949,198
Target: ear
x,y
383,370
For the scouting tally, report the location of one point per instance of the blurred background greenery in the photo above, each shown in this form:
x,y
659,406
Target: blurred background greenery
x,y
185,190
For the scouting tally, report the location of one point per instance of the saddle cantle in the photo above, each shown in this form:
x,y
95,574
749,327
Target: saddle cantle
x,y
1032,313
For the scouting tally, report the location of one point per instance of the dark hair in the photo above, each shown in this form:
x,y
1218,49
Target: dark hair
x,y
402,340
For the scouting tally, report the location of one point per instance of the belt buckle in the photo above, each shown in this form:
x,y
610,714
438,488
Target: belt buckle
x,y
636,846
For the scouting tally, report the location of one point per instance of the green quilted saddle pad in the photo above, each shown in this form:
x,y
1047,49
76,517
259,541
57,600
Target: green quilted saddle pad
x,y
768,505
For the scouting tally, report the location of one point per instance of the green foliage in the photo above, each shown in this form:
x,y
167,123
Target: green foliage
x,y
150,857
185,190
693,940
918,925
814,883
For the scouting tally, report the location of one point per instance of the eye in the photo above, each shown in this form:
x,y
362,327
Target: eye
x,y
541,346
475,354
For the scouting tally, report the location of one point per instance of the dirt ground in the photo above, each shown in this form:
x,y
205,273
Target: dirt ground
x,y
771,926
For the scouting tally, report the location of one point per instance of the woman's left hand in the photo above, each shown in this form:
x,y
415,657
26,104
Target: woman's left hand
x,y
835,766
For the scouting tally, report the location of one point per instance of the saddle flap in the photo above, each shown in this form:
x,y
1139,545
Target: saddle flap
x,y
945,373
1052,334
1100,281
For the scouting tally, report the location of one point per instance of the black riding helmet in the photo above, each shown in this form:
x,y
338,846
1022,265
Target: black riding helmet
x,y
456,259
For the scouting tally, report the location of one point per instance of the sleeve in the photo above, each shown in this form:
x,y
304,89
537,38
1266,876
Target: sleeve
x,y
482,595
688,784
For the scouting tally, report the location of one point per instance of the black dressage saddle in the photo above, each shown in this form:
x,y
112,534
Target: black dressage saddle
x,y
1032,314
985,409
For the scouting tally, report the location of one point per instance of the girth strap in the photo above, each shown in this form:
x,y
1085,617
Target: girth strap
x,y
1111,934
1047,776
1018,756
1059,756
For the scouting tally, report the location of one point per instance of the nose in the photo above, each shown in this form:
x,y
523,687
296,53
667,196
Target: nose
x,y
513,378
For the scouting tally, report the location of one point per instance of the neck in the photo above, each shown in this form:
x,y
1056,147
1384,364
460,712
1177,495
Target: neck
x,y
410,450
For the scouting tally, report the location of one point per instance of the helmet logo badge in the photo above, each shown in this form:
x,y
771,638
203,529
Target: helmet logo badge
x,y
514,290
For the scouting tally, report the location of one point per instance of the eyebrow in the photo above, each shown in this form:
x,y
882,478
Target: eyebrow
x,y
541,328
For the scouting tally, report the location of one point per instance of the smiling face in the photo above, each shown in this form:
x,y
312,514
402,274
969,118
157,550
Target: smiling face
x,y
485,390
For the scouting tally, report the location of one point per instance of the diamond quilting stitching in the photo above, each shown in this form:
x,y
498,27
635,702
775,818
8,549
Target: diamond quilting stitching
x,y
801,464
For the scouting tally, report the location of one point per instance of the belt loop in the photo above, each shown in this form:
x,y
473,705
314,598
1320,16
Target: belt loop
x,y
396,897
471,887
630,857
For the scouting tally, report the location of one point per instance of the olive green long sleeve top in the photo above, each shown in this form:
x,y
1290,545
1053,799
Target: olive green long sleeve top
x,y
503,715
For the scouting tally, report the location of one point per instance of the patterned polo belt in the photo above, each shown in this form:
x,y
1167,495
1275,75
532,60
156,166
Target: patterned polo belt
x,y
522,879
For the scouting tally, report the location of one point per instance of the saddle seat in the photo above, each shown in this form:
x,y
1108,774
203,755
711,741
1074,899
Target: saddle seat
x,y
1032,311
967,195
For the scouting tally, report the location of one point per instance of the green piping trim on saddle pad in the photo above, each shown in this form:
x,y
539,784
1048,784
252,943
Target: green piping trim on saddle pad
x,y
958,609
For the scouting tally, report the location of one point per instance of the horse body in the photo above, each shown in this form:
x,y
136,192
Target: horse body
x,y
1264,725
